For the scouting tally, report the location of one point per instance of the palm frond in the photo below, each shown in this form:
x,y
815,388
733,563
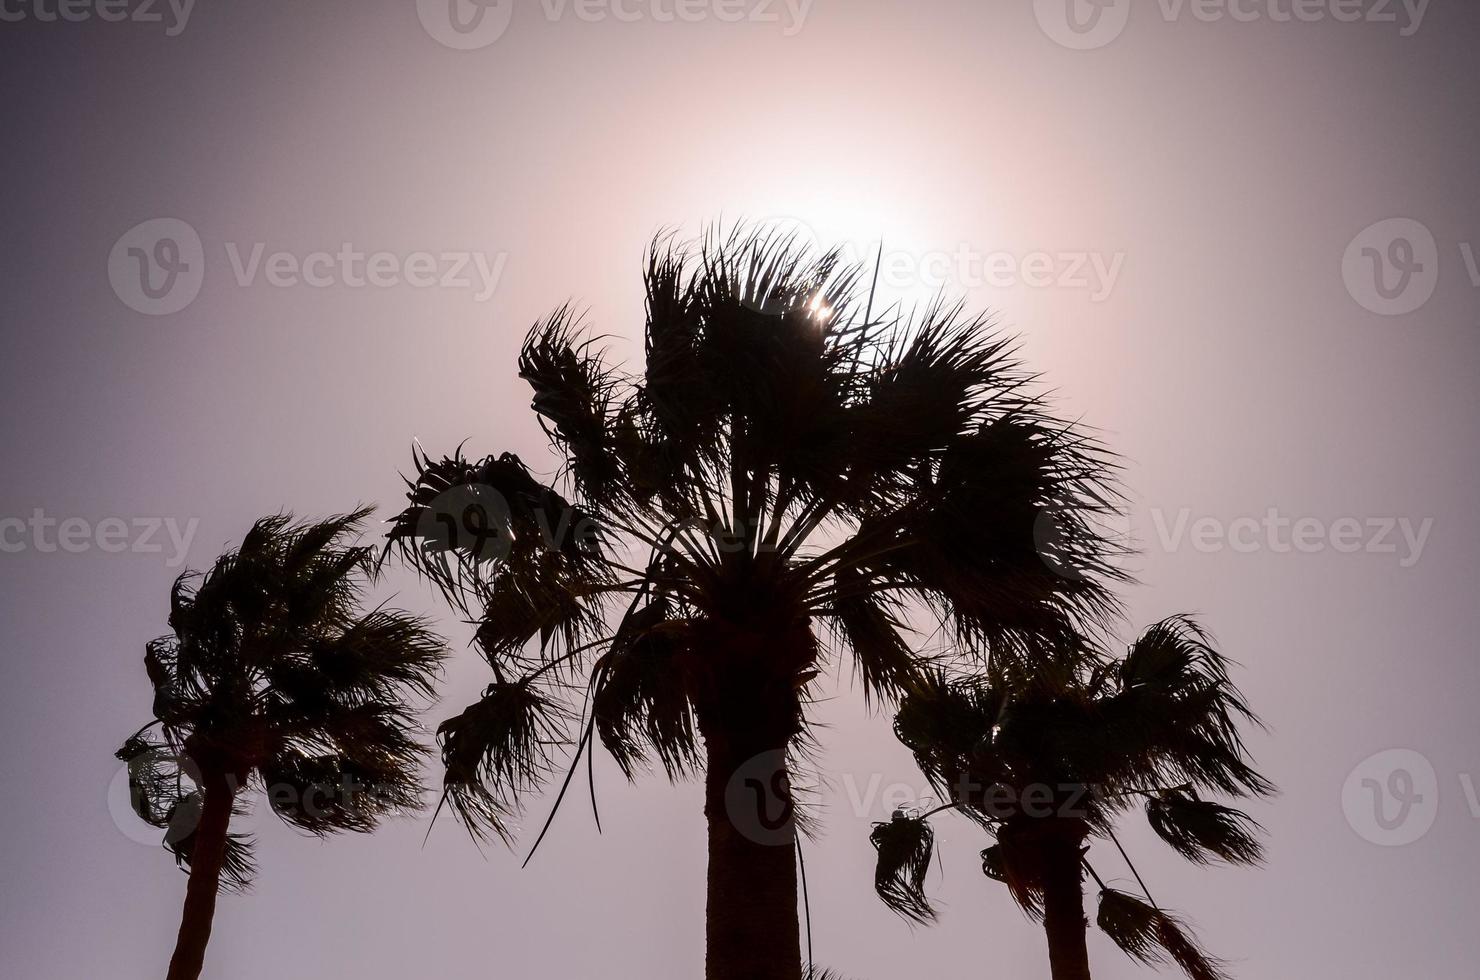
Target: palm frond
x,y
1200,830
465,521
574,395
1177,714
538,602
238,861
1151,936
639,702
869,626
1017,861
497,748
154,778
904,845
946,724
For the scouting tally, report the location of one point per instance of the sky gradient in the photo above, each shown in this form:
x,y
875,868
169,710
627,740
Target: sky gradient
x,y
1178,220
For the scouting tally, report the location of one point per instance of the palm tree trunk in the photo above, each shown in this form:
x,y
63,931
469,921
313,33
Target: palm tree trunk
x,y
751,914
205,878
1063,906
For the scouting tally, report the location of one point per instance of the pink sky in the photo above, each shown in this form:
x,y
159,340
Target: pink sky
x,y
1163,219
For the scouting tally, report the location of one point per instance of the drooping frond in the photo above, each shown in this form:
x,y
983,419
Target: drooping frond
x,y
639,701
154,778
1201,830
1176,715
495,749
869,627
238,863
1021,859
467,521
905,845
542,603
1153,937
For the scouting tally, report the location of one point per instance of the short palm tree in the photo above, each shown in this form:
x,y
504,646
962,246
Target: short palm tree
x,y
273,676
788,479
1047,763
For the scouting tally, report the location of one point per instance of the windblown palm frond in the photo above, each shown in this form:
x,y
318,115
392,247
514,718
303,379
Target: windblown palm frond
x,y
905,845
1151,936
1176,714
639,702
495,749
1200,830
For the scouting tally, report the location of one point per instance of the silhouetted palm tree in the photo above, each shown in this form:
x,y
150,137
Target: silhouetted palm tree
x,y
273,676
1047,762
786,461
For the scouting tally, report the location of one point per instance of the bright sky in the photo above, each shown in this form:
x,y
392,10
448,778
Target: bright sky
x,y
1163,219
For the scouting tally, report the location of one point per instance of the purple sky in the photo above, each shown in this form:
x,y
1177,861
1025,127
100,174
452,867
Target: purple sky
x,y
1166,219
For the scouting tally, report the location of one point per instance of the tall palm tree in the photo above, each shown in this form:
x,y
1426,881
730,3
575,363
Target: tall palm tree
x,y
1047,763
273,677
790,477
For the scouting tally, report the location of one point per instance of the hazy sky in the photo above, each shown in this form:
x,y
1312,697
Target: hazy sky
x,y
1181,219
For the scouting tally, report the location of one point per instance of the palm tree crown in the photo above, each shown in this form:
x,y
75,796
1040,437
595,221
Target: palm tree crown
x,y
272,675
785,459
793,476
1046,763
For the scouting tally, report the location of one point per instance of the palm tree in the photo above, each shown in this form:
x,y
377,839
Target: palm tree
x,y
1048,762
788,460
274,676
